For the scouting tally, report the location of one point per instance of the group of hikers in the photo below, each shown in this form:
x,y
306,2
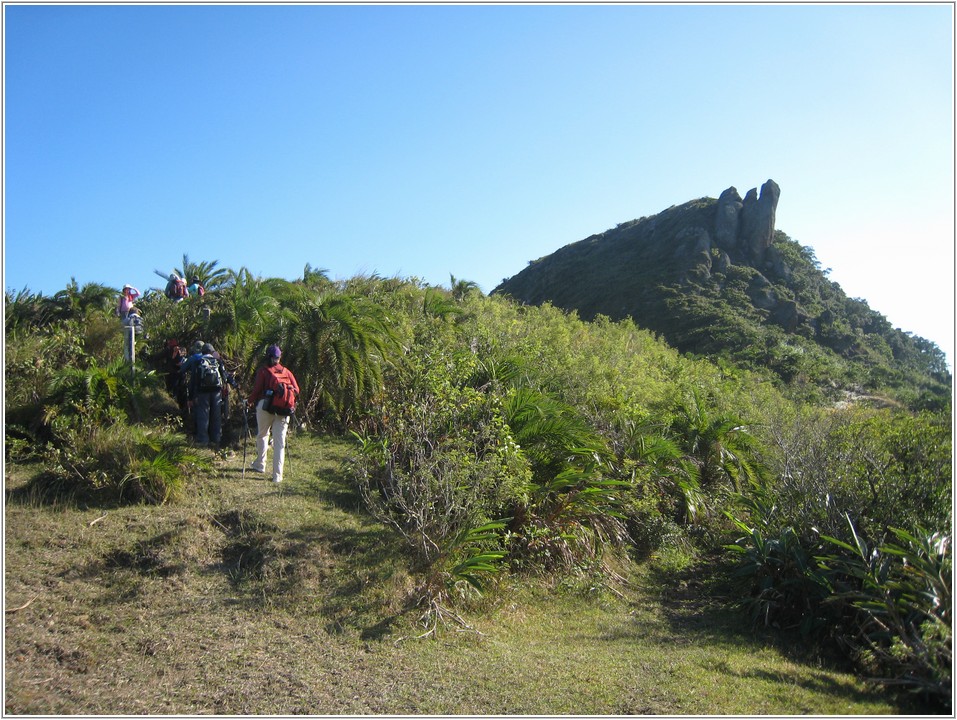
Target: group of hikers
x,y
200,383
177,290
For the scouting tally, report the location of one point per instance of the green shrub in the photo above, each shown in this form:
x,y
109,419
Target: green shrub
x,y
902,629
441,468
121,461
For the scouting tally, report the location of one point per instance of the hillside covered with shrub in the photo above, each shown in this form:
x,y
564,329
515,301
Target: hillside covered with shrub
x,y
498,440
714,277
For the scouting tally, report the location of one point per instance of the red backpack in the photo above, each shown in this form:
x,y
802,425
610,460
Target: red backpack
x,y
280,391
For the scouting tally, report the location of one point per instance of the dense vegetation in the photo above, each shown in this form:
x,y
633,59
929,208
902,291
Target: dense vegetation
x,y
781,316
505,440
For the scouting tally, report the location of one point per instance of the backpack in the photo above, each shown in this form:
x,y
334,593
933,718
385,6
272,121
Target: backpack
x,y
209,376
176,288
280,393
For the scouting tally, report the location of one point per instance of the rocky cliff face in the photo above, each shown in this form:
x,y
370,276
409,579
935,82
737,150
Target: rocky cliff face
x,y
746,225
740,232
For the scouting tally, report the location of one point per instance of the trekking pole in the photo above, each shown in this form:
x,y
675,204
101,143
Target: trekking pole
x,y
294,426
245,434
288,434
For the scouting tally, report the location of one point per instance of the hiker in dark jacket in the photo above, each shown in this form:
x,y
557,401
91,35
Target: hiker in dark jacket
x,y
205,390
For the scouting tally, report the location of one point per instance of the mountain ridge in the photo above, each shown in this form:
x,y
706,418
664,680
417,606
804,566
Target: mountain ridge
x,y
714,277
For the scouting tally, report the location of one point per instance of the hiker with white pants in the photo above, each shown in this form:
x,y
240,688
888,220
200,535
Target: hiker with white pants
x,y
274,393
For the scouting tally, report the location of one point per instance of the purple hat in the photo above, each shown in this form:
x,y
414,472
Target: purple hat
x,y
273,351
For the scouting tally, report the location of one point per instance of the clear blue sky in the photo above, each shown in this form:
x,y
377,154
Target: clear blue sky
x,y
429,141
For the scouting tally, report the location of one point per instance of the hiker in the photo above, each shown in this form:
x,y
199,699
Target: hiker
x,y
127,296
175,286
274,394
172,359
195,289
207,385
192,358
195,353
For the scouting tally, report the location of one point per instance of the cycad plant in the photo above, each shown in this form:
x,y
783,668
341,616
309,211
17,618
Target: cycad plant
x,y
242,310
338,345
158,465
26,310
650,457
96,395
572,511
718,443
94,446
73,302
461,289
210,276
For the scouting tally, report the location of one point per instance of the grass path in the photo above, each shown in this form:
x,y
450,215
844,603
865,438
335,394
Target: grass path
x,y
252,598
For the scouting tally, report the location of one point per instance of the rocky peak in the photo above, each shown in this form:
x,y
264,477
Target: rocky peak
x,y
745,227
752,218
740,231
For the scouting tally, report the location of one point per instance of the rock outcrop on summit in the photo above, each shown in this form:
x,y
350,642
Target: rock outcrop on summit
x,y
747,226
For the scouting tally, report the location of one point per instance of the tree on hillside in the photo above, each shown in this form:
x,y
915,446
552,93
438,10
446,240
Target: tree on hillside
x,y
210,277
316,278
338,345
719,444
73,302
461,289
26,310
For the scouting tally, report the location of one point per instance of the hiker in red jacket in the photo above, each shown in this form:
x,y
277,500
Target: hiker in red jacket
x,y
274,395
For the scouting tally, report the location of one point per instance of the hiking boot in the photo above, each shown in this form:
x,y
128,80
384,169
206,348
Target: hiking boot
x,y
257,469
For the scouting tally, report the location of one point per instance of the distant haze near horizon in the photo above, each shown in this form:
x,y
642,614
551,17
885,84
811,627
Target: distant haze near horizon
x,y
468,140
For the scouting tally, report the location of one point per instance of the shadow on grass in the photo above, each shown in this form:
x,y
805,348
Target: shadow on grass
x,y
700,605
365,590
818,683
46,489
331,486
348,575
331,482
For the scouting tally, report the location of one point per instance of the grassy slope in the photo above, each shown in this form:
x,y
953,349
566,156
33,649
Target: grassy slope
x,y
248,598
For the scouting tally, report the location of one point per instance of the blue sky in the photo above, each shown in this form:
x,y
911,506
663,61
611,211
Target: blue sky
x,y
429,141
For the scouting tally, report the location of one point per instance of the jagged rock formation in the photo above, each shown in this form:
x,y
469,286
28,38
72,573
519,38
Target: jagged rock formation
x,y
741,230
747,225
